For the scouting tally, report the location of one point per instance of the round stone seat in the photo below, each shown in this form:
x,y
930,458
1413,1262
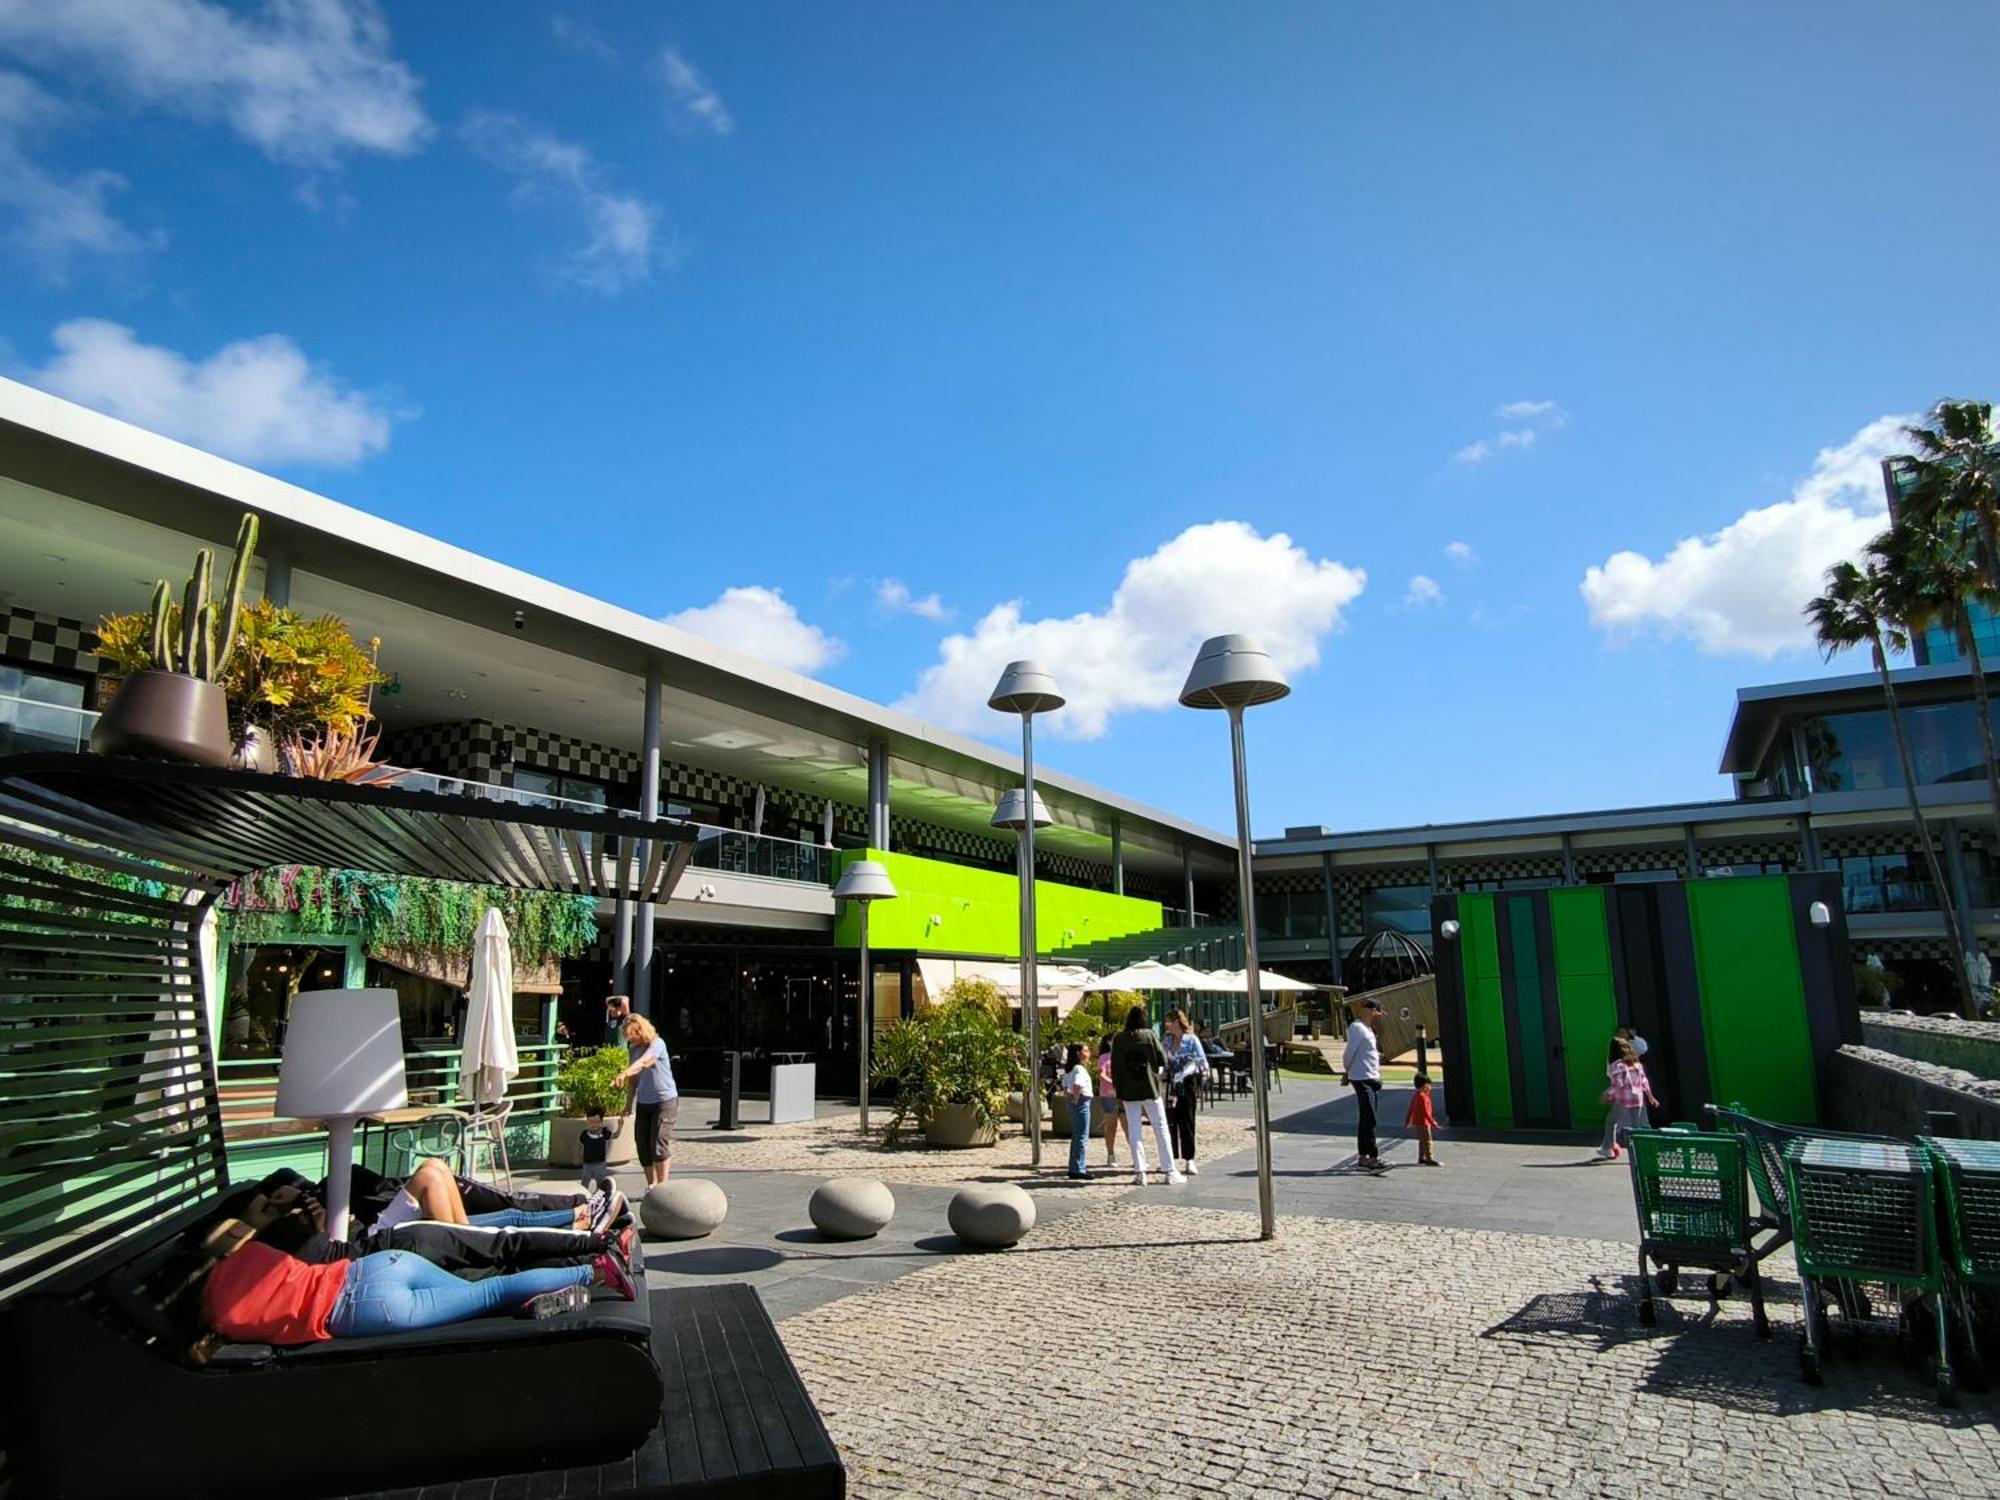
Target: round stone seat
x,y
851,1208
682,1208
991,1216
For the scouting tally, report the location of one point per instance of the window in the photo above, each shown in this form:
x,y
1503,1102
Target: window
x,y
1400,908
1514,883
1857,751
1294,914
1886,883
1642,877
264,980
555,784
40,712
714,814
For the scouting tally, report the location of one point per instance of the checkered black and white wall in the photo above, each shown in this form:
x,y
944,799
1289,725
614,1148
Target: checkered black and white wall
x,y
42,640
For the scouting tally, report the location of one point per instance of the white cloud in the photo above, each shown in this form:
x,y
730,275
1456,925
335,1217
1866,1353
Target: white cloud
x,y
894,595
1212,579
305,81
619,228
1423,590
53,219
695,105
577,34
259,401
761,622
1743,589
1539,417
1461,553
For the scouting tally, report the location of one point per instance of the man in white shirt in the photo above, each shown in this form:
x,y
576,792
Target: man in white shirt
x,y
1363,1066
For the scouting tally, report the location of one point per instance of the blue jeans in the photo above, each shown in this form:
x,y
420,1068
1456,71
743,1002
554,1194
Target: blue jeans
x,y
1079,1136
397,1291
525,1218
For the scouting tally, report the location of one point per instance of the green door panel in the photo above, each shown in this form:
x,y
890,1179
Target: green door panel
x,y
1753,1006
1485,1013
1530,1020
1586,997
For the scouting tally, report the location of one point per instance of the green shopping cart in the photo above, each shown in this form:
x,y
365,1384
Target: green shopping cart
x,y
1768,1143
1863,1212
1970,1173
1694,1210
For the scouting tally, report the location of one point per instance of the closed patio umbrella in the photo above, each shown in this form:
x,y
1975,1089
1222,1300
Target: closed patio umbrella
x,y
489,1059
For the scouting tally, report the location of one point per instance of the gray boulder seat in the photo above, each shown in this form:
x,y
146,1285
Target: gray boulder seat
x,y
99,1397
991,1216
851,1208
683,1208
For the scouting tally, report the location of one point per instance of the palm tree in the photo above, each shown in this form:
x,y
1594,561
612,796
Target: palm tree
x,y
1854,612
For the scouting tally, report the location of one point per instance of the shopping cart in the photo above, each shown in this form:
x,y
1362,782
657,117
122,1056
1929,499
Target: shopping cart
x,y
1694,1210
1970,1174
1863,1212
1768,1143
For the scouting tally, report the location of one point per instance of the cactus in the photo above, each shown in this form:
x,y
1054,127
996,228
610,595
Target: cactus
x,y
199,643
162,650
232,594
193,601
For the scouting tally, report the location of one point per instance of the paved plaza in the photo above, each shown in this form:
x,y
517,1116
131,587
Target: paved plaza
x,y
1462,1331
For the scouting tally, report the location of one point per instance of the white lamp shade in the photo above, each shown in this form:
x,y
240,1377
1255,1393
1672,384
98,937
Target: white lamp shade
x,y
343,1055
1232,671
1025,688
1008,813
864,880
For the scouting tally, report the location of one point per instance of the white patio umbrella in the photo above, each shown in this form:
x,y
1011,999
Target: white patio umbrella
x,y
1236,982
489,1060
1150,974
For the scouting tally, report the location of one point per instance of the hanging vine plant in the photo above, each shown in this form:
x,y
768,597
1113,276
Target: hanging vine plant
x,y
434,917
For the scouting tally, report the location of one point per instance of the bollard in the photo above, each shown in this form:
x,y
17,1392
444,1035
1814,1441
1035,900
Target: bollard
x,y
728,1115
1423,1052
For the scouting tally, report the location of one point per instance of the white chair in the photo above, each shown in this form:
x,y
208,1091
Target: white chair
x,y
486,1130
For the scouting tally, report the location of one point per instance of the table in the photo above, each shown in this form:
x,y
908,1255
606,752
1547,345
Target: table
x,y
387,1120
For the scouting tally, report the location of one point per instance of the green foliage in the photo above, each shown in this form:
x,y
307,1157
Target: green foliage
x,y
588,1080
1096,1016
85,874
420,914
957,1050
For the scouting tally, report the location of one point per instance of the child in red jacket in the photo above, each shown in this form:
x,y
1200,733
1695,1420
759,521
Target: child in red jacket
x,y
1422,1121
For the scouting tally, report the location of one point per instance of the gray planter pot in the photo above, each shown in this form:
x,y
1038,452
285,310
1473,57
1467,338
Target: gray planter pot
x,y
953,1125
166,716
256,751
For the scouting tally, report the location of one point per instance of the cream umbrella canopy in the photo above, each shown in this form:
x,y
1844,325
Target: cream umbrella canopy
x,y
489,1060
1151,974
1237,982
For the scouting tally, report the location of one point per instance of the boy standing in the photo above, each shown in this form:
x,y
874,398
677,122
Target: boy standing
x,y
1422,1121
595,1140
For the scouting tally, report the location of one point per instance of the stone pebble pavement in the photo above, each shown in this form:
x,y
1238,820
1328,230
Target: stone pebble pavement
x,y
1139,1348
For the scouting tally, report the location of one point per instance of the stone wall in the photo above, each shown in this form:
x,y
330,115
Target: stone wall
x,y
1970,1046
1880,1093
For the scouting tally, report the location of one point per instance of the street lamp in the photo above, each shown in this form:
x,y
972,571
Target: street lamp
x,y
1008,815
1026,689
862,882
1232,672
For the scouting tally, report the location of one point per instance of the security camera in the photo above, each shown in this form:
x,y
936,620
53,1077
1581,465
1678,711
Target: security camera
x,y
520,619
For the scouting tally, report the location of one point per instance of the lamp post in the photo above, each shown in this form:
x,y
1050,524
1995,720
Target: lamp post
x,y
1232,672
1010,815
862,882
1025,688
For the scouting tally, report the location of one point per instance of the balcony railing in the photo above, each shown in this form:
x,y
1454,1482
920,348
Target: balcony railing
x,y
1889,896
30,727
1180,916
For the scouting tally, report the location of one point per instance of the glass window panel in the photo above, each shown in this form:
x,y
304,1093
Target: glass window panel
x,y
1400,908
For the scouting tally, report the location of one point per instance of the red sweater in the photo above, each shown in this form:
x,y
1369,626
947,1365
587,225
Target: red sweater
x,y
263,1296
1420,1112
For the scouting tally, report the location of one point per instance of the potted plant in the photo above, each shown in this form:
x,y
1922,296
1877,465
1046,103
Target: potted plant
x,y
952,1065
588,1080
173,705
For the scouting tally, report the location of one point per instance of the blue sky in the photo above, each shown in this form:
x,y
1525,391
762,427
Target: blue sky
x,y
939,333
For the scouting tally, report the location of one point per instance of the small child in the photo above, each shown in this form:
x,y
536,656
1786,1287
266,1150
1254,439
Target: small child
x,y
1423,1120
1629,1097
1077,1085
595,1139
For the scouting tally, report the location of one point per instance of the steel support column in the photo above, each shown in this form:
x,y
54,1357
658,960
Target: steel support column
x,y
645,925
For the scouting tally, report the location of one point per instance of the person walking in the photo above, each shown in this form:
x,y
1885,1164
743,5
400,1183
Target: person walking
x,y
1363,1066
1627,1097
1078,1086
1107,1098
617,1010
652,1096
1137,1060
1187,1065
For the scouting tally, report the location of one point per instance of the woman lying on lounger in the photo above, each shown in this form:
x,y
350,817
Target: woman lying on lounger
x,y
257,1295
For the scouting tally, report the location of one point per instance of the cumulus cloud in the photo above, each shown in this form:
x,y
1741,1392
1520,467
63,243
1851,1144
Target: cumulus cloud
x,y
1212,579
305,81
619,228
761,622
1742,589
1461,553
1537,416
692,103
53,218
894,595
1423,590
259,401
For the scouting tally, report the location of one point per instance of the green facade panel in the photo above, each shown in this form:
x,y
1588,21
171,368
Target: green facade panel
x,y
978,912
1586,996
1530,1020
1753,1005
1485,1012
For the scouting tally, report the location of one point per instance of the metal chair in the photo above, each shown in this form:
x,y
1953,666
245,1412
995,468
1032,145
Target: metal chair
x,y
486,1130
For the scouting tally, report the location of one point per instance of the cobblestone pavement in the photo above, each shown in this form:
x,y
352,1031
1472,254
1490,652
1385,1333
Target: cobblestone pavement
x,y
1347,1357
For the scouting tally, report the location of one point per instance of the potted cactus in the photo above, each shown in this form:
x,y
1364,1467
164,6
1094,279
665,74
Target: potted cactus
x,y
175,707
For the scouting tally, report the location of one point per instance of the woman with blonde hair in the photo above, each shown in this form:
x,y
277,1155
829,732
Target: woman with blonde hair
x,y
650,1094
1187,1065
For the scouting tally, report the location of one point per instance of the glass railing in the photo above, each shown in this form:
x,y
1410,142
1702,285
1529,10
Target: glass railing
x,y
29,727
1889,896
458,786
1279,926
1180,916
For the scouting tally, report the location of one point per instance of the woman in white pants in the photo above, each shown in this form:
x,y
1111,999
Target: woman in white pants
x,y
1137,1060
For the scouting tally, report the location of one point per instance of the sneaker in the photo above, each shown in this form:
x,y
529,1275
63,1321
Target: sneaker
x,y
1192,1170
1175,1179
1142,1179
595,1196
626,1239
1616,1152
1430,1161
554,1304
613,1278
604,1211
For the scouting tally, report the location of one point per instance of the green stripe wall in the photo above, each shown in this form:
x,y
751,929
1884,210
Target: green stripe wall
x,y
1585,996
1485,1013
980,911
1529,1018
1753,1004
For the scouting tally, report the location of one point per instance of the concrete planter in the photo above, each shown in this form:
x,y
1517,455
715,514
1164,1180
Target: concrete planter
x,y
955,1126
566,1144
166,716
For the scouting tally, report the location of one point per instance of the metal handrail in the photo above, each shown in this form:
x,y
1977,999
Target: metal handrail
x,y
11,707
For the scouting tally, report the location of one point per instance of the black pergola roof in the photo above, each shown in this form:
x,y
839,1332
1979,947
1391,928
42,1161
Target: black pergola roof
x,y
219,825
